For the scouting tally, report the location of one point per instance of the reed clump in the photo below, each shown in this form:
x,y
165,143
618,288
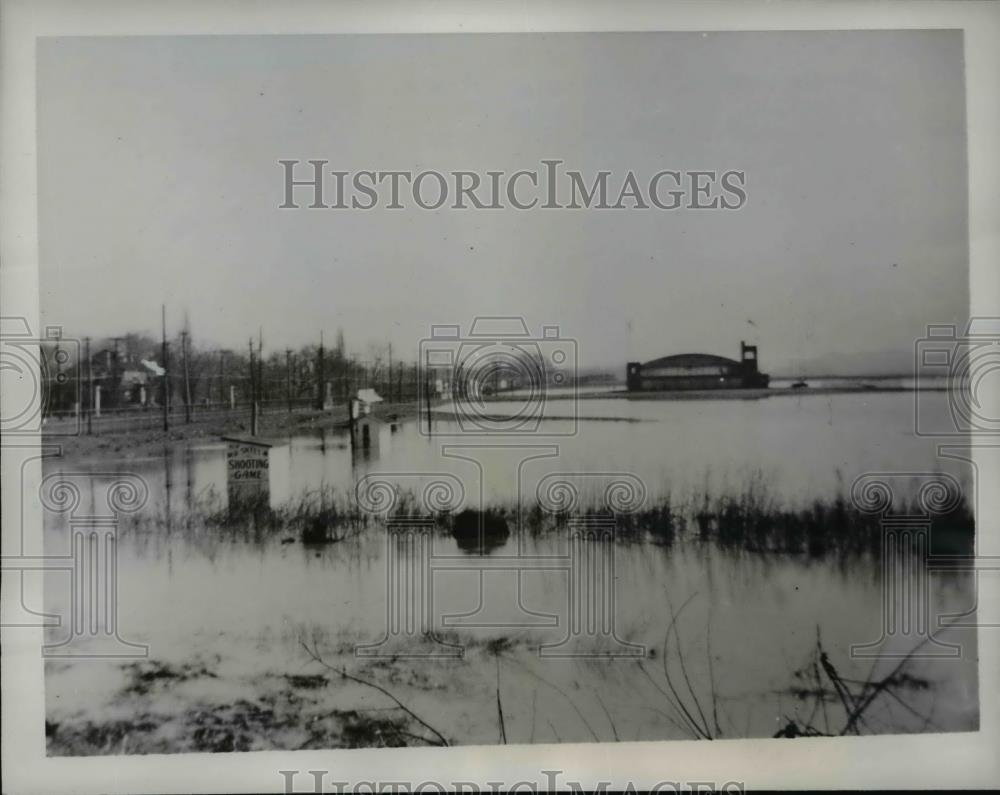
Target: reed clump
x,y
749,518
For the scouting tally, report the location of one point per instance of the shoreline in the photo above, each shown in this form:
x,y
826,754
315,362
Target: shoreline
x,y
726,394
127,444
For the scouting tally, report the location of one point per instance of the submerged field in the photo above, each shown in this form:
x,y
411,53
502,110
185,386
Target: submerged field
x,y
738,586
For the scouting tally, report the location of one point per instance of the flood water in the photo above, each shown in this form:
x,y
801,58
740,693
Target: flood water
x,y
241,607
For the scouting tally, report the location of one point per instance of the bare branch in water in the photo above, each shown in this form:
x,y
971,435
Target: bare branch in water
x,y
614,729
700,728
534,706
711,674
878,687
317,658
561,692
503,729
684,728
855,704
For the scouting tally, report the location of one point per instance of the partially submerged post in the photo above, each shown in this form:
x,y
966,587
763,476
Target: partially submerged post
x,y
368,428
364,426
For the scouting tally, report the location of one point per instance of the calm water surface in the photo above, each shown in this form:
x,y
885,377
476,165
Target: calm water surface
x,y
188,592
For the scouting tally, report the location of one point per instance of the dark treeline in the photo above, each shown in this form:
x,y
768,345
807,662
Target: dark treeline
x,y
130,372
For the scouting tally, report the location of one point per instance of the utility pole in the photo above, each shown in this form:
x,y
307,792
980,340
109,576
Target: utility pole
x,y
320,375
427,394
90,385
58,402
253,394
288,377
389,385
166,372
187,381
114,390
260,367
222,378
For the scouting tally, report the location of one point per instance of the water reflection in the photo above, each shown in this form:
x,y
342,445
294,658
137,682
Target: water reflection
x,y
189,588
195,595
803,447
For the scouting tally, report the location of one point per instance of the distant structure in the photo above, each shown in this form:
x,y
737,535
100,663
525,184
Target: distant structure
x,y
697,371
123,379
366,399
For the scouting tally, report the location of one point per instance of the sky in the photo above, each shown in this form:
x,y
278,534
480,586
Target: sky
x,y
159,183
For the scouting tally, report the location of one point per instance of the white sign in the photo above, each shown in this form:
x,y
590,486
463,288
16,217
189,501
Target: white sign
x,y
247,467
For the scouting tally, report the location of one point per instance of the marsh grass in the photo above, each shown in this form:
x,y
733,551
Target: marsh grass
x,y
748,518
760,524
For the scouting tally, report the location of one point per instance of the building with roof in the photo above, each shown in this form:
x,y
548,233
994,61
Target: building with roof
x,y
697,371
124,379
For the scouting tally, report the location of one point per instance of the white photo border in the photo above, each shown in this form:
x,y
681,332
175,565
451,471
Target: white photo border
x,y
926,760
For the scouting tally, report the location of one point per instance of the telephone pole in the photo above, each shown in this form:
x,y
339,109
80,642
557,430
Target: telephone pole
x,y
427,394
288,377
260,366
114,391
253,393
58,380
90,385
222,379
320,375
166,372
187,381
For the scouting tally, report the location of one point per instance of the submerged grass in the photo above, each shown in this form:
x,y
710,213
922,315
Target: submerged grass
x,y
749,518
759,523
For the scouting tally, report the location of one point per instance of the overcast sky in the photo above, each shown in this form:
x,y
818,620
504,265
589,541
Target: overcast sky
x,y
159,182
